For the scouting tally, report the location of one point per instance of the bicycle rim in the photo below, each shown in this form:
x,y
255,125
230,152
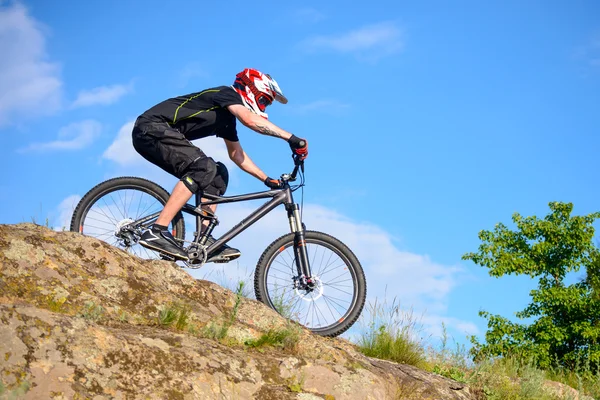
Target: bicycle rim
x,y
335,295
117,207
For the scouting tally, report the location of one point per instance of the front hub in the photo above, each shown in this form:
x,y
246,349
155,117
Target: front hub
x,y
309,290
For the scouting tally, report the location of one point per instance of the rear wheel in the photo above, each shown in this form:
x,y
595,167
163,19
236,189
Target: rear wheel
x,y
336,299
111,212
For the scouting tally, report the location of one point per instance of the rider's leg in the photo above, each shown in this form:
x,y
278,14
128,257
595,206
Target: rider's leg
x,y
217,187
169,149
179,197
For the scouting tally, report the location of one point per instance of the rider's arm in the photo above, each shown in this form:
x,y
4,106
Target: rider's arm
x,y
257,123
241,159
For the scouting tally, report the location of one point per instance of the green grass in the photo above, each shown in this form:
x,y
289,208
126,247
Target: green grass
x,y
391,334
284,338
218,331
224,280
16,393
92,312
282,306
175,315
509,378
586,380
296,383
123,316
453,363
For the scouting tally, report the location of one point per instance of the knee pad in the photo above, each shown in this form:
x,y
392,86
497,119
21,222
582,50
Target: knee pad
x,y
200,174
219,184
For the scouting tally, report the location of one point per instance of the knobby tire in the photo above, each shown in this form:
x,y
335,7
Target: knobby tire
x,y
332,244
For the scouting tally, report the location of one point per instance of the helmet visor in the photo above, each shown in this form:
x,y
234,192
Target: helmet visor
x,y
263,101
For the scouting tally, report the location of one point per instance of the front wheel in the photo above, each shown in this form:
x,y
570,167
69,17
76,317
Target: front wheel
x,y
333,303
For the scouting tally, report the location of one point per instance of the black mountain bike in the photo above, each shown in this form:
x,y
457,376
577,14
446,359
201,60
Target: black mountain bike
x,y
310,277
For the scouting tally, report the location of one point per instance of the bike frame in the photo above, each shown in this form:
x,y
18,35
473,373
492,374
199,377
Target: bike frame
x,y
278,196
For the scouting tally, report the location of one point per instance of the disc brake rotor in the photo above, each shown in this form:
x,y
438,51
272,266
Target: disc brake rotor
x,y
314,294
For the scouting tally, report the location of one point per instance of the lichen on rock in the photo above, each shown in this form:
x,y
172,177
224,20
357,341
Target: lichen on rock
x,y
80,319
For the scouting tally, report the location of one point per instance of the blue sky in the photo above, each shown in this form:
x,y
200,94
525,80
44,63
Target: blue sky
x,y
427,121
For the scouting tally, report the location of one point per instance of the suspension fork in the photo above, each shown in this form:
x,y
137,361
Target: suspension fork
x,y
300,251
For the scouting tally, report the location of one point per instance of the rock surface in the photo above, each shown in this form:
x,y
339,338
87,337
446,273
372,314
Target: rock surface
x,y
80,319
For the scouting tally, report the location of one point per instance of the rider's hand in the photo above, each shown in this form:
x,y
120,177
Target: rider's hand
x,y
272,183
299,146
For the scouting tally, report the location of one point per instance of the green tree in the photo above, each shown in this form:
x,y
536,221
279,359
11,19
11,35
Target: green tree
x,y
565,327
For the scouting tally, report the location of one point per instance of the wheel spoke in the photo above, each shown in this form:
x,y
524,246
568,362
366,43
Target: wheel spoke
x,y
326,264
332,269
331,286
329,307
137,212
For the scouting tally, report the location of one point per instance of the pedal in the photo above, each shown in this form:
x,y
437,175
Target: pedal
x,y
222,259
166,257
218,260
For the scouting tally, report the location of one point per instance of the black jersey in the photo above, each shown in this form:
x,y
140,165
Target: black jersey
x,y
200,114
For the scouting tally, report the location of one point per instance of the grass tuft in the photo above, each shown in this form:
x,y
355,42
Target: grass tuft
x,y
296,384
174,314
285,338
92,311
218,331
392,334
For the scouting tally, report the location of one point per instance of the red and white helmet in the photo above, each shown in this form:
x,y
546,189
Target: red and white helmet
x,y
258,90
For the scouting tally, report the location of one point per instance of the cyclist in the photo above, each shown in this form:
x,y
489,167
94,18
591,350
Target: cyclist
x,y
163,134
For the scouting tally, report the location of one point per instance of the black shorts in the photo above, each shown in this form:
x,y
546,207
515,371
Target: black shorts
x,y
169,149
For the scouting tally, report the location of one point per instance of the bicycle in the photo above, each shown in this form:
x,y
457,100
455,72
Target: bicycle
x,y
283,280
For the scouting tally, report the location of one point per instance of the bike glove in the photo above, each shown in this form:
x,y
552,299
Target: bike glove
x,y
272,183
299,146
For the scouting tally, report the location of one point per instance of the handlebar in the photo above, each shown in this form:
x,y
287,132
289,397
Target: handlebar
x,y
298,164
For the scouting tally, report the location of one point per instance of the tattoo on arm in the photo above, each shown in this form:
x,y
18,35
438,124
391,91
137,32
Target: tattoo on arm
x,y
265,130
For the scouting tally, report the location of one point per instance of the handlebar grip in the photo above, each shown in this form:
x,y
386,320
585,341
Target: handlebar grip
x,y
302,143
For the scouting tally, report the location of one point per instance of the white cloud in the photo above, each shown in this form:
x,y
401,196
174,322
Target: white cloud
x,y
29,84
369,42
75,136
103,95
121,150
215,147
65,212
417,281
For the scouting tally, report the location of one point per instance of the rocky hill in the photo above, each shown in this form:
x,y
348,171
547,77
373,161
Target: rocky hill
x,y
83,320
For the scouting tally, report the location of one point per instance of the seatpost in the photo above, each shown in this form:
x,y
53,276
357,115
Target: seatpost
x,y
198,217
202,237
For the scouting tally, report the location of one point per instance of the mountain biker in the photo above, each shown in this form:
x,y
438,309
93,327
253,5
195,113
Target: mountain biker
x,y
163,134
